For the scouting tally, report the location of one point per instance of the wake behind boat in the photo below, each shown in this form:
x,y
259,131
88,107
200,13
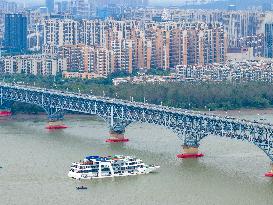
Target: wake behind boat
x,y
94,167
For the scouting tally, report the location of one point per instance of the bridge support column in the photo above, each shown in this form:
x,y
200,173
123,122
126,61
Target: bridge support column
x,y
190,150
55,121
5,108
270,173
116,137
117,133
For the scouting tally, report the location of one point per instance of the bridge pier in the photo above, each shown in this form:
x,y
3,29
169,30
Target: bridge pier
x,y
116,133
190,149
189,152
5,108
270,173
55,121
116,137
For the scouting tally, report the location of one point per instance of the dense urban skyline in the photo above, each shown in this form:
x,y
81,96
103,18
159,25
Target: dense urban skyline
x,y
93,39
218,3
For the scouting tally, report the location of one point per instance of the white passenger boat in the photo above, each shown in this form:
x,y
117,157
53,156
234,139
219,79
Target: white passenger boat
x,y
101,167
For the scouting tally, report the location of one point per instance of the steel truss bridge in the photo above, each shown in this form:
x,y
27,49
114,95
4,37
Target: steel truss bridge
x,y
191,127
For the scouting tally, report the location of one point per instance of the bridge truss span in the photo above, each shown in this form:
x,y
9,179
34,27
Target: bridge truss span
x,y
191,127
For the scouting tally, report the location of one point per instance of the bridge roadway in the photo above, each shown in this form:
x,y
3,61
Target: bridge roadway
x,y
190,126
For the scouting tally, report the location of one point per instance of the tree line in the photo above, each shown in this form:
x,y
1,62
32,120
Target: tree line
x,y
188,95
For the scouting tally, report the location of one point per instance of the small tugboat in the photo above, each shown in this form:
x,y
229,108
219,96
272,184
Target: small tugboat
x,y
94,167
81,187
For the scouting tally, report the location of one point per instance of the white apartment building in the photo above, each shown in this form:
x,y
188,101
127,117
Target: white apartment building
x,y
60,32
33,64
102,61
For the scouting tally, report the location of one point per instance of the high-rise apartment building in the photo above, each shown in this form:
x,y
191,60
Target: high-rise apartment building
x,y
199,44
62,6
161,54
102,61
142,49
77,57
123,54
50,5
8,7
15,37
59,32
269,40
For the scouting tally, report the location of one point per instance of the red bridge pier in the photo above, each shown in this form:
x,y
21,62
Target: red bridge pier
x,y
55,121
116,137
55,125
270,173
5,112
189,152
117,130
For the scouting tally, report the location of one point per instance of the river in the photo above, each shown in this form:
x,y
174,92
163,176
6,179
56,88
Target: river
x,y
36,161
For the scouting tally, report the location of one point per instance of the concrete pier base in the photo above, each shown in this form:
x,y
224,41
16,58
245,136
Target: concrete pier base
x,y
189,152
116,137
55,125
270,173
5,113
